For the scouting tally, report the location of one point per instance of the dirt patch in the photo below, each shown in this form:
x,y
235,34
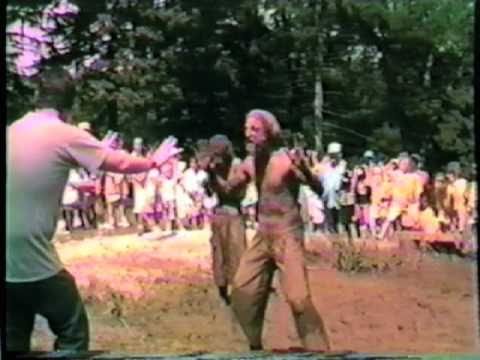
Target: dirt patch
x,y
158,297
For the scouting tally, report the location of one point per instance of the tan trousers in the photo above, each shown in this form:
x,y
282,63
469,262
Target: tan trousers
x,y
251,286
228,243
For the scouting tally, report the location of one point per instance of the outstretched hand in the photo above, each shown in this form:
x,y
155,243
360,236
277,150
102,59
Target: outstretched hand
x,y
167,149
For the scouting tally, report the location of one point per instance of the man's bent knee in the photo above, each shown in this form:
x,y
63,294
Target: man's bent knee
x,y
298,304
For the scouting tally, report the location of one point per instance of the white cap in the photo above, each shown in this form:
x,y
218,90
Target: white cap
x,y
368,154
334,148
85,126
138,141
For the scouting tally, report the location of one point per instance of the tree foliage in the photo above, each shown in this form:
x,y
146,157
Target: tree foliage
x,y
396,74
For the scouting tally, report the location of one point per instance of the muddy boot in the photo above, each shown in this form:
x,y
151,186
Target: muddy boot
x,y
256,348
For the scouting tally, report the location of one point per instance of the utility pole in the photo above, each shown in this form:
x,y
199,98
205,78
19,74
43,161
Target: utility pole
x,y
318,101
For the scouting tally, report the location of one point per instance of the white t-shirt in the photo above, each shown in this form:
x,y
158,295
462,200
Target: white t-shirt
x,y
71,195
193,181
168,189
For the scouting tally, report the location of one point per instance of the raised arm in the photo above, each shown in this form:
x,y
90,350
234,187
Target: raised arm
x,y
120,162
238,180
302,172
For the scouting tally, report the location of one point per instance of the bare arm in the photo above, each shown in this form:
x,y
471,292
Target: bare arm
x,y
303,173
237,182
121,162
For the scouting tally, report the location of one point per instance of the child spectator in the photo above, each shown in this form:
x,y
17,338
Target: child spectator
x,y
115,193
346,198
380,185
167,190
457,196
472,198
71,201
428,223
440,200
193,186
363,192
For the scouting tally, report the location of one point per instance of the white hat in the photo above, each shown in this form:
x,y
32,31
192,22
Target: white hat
x,y
84,125
368,154
334,148
138,141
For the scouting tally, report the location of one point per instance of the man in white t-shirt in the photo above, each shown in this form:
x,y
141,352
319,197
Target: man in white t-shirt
x,y
36,280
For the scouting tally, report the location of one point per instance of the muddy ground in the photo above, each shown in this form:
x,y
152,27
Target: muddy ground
x,y
158,297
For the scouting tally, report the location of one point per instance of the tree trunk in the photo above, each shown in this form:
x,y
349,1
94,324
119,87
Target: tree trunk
x,y
319,95
318,111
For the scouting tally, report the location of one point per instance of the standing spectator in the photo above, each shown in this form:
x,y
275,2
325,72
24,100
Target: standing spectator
x,y
149,204
417,168
472,199
193,183
380,185
362,192
313,208
71,200
88,195
406,191
167,191
369,159
181,207
428,222
113,197
331,181
440,200
116,193
457,196
137,182
346,199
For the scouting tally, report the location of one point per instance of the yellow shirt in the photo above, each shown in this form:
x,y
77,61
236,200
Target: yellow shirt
x,y
472,195
428,222
406,188
457,193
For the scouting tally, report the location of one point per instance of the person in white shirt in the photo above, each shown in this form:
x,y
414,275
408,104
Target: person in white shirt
x,y
193,185
168,193
71,201
331,178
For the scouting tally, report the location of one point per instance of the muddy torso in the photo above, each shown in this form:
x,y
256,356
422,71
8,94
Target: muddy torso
x,y
278,208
